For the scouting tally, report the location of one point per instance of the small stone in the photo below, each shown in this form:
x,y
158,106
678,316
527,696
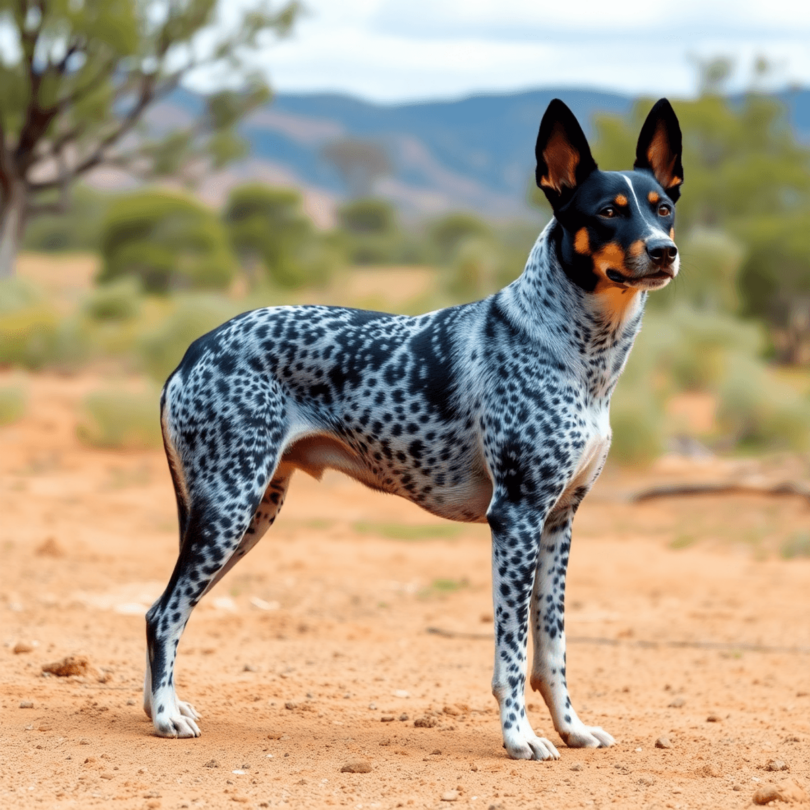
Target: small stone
x,y
69,665
131,702
777,765
451,710
240,798
677,703
450,796
403,717
84,741
766,794
291,704
249,668
372,706
436,752
712,770
402,693
356,766
577,766
387,718
212,763
647,781
22,647
663,742
425,721
714,718
26,704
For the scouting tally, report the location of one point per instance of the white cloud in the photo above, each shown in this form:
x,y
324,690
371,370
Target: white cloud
x,y
396,50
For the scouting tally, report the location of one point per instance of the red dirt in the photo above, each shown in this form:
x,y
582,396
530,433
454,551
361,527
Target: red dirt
x,y
331,614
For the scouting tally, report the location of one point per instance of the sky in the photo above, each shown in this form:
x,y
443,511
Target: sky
x,y
393,51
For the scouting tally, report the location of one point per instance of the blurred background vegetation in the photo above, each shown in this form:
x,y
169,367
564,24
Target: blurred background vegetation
x,y
123,281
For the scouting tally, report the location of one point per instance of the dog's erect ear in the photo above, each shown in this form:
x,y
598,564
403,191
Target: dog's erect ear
x,y
659,148
563,155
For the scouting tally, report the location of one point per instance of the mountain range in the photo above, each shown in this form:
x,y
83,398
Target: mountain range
x,y
475,153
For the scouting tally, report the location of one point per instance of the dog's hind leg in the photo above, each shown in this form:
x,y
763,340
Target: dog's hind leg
x,y
548,674
222,500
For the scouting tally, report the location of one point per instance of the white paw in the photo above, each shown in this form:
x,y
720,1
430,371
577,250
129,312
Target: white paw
x,y
179,723
583,736
527,745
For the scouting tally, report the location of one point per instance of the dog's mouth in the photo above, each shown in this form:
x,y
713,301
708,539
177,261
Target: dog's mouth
x,y
650,281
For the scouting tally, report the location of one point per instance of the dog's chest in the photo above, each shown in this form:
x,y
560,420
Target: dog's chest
x,y
595,449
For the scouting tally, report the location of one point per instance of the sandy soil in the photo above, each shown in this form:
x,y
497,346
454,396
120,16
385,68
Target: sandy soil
x,y
318,650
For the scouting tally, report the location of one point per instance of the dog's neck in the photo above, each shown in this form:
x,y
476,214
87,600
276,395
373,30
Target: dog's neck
x,y
593,329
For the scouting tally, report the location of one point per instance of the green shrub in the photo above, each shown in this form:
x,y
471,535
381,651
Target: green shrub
x,y
637,419
117,301
797,545
165,241
29,337
758,411
12,404
162,349
121,419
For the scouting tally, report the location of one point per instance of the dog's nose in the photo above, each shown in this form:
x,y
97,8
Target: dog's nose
x,y
662,251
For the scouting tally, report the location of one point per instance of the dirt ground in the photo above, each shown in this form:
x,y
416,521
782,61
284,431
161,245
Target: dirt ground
x,y
685,621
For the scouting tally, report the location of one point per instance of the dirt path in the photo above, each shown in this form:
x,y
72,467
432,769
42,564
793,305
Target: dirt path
x,y
317,651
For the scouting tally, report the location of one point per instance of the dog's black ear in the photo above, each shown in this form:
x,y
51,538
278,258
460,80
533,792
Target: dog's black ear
x,y
660,146
563,156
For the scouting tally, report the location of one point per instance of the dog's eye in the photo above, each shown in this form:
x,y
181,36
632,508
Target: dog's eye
x,y
664,210
608,212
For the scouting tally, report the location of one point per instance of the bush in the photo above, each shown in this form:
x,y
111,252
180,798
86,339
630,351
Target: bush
x,y
166,242
79,228
448,232
162,349
12,404
116,301
637,419
121,419
268,228
760,412
370,231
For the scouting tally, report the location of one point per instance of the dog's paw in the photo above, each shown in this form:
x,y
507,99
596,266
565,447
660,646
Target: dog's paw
x,y
527,745
179,723
583,736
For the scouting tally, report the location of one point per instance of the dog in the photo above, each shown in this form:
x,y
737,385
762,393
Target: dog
x,y
495,411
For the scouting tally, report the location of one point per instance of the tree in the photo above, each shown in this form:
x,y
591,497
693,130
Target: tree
x,y
165,241
359,163
268,226
370,230
79,78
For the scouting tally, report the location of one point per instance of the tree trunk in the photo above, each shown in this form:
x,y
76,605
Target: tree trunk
x,y
12,226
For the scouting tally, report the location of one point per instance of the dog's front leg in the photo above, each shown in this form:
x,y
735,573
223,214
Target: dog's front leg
x,y
548,627
515,538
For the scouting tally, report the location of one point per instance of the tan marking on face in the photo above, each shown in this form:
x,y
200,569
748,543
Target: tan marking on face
x,y
672,234
620,199
653,197
562,161
614,298
581,242
637,248
611,256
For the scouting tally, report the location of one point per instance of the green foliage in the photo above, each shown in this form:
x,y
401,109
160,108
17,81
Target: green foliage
x,y
29,326
760,412
474,271
162,348
166,242
78,78
269,230
448,232
121,419
117,301
797,545
370,231
12,404
79,228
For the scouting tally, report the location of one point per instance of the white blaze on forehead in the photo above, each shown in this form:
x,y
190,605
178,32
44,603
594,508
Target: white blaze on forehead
x,y
652,229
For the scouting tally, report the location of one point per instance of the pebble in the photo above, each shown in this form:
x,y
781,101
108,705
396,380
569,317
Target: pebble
x,y
26,704
424,722
22,647
577,766
402,693
777,765
766,794
677,703
290,704
212,763
403,717
372,706
712,770
663,742
69,665
387,718
450,796
356,766
647,781
452,711
714,718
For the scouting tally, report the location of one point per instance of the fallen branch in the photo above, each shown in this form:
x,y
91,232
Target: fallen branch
x,y
621,642
786,488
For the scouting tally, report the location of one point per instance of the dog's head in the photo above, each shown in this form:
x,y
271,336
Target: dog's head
x,y
616,228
